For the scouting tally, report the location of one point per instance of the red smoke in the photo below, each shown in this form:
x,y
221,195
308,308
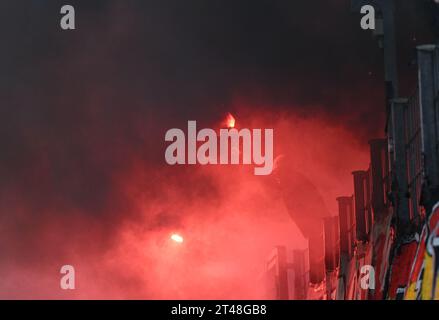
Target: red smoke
x,y
229,218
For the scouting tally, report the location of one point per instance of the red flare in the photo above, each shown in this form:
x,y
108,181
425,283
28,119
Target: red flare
x,y
230,121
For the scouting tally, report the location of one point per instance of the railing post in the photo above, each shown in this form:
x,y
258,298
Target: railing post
x,y
360,205
378,150
429,123
346,225
399,164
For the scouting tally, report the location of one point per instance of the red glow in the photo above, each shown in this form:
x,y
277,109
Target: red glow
x,y
233,226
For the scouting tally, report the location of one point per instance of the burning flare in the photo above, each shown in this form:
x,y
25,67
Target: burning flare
x,y
177,238
230,121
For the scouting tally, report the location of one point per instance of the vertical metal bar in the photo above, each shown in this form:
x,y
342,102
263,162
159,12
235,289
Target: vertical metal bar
x,y
427,94
360,205
379,187
399,161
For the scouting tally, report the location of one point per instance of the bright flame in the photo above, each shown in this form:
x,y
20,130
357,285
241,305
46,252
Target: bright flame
x,y
177,238
230,121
